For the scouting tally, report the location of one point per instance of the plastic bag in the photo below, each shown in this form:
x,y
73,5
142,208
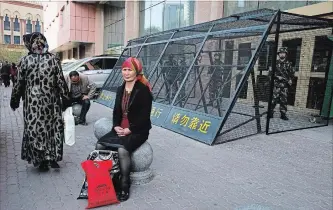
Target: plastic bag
x,y
69,126
101,191
102,155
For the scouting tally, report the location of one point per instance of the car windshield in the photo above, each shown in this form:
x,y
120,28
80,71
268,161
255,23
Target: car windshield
x,y
74,65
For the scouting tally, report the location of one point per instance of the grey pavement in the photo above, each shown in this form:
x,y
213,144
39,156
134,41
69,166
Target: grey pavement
x,y
282,171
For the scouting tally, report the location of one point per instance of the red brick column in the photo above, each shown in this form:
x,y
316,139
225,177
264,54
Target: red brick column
x,y
24,27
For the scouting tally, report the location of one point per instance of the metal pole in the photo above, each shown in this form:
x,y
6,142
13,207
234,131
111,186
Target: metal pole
x,y
256,101
151,73
190,67
247,71
137,54
110,77
227,31
277,34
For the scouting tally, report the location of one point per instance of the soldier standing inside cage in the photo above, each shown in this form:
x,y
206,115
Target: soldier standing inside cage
x,y
182,68
169,71
216,72
282,81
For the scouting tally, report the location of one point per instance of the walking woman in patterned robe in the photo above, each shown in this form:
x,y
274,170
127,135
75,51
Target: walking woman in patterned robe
x,y
42,87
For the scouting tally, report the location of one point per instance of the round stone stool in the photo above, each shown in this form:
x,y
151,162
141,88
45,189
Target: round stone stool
x,y
141,158
141,161
77,110
102,127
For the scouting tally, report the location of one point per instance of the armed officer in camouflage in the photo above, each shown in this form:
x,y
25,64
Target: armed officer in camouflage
x,y
282,81
170,71
216,72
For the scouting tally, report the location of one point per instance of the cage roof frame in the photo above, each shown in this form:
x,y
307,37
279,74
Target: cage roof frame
x,y
255,15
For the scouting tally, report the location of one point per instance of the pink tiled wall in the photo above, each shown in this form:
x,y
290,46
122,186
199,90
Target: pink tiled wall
x,y
82,22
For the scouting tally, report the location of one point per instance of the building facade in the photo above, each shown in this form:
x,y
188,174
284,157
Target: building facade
x,y
74,29
18,18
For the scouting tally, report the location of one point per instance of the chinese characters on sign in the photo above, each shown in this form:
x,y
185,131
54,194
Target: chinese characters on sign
x,y
156,112
159,113
193,123
105,97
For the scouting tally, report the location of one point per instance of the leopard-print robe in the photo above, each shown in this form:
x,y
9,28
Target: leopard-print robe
x,y
41,85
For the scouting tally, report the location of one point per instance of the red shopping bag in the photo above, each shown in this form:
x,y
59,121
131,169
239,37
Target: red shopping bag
x,y
101,191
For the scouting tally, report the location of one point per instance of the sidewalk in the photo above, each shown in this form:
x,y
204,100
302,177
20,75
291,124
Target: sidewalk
x,y
283,171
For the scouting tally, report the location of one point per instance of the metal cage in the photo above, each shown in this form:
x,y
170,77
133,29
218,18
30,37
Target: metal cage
x,y
224,71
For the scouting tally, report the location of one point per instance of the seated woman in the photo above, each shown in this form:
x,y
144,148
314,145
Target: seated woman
x,y
131,119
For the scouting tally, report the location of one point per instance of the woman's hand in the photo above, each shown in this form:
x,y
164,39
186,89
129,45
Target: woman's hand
x,y
118,130
127,131
122,131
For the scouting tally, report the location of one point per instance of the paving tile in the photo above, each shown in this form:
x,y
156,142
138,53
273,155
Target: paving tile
x,y
283,171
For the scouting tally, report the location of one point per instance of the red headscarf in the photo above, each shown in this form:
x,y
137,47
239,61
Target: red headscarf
x,y
135,65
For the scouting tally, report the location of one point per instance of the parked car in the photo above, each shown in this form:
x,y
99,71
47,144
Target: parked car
x,y
67,62
96,68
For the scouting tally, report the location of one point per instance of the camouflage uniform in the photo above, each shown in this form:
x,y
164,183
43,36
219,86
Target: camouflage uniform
x,y
215,84
182,72
169,72
282,80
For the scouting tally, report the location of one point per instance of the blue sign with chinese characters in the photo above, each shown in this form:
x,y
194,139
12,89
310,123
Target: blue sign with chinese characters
x,y
159,113
196,125
106,98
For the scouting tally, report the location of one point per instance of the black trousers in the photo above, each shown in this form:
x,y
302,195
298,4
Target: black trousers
x,y
85,107
6,80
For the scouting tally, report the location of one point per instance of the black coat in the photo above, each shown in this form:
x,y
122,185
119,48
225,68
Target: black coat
x,y
140,104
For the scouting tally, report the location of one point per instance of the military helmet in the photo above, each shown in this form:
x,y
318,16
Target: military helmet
x,y
217,54
283,50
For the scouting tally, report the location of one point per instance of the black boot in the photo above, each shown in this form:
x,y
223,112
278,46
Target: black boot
x,y
284,117
54,164
124,192
44,166
82,122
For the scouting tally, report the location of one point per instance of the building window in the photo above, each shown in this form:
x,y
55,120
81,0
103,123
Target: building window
x,y
7,39
6,23
165,15
37,26
294,51
16,24
316,93
241,3
265,57
75,53
17,40
29,26
244,55
243,92
322,54
239,6
114,28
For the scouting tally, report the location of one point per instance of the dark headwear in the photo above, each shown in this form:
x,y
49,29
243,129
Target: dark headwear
x,y
73,73
36,43
283,50
136,65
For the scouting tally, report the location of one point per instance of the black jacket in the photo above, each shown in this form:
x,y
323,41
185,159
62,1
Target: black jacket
x,y
140,104
5,70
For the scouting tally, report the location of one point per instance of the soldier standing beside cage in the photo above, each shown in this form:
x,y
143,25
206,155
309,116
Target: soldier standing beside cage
x,y
216,72
282,81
